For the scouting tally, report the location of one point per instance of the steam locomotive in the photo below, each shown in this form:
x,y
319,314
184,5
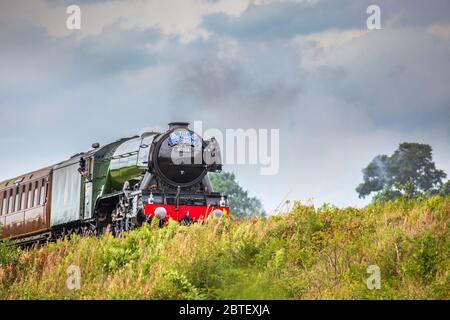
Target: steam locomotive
x,y
115,188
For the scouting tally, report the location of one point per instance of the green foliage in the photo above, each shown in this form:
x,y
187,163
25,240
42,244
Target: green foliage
x,y
310,253
409,171
445,190
387,194
241,204
8,253
425,261
176,286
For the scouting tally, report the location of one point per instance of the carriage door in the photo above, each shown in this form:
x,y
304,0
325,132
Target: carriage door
x,y
88,176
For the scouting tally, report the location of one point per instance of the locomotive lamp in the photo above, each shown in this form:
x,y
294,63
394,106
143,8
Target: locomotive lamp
x,y
161,213
223,202
150,198
217,213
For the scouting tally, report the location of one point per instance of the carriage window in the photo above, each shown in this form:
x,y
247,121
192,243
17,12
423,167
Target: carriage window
x,y
16,201
10,202
24,198
1,203
5,202
43,186
30,196
36,194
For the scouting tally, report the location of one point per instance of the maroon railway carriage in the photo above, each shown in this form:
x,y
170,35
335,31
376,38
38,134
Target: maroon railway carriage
x,y
25,204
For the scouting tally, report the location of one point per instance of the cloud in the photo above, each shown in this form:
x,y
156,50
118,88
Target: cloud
x,y
257,82
402,86
284,19
440,30
131,14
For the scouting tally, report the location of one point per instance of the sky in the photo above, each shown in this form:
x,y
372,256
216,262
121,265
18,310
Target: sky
x,y
339,93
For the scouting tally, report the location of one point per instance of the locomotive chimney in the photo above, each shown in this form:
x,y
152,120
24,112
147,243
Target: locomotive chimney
x,y
174,125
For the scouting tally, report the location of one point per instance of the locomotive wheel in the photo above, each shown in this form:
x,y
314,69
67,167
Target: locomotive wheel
x,y
186,221
123,225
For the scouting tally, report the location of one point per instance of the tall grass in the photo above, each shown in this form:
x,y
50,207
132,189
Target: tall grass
x,y
309,253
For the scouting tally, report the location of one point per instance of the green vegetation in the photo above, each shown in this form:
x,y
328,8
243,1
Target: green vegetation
x,y
310,253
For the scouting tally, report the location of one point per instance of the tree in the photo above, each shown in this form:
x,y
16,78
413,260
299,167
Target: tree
x,y
239,201
445,190
409,171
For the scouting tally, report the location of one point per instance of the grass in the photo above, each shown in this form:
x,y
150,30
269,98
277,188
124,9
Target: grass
x,y
308,253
